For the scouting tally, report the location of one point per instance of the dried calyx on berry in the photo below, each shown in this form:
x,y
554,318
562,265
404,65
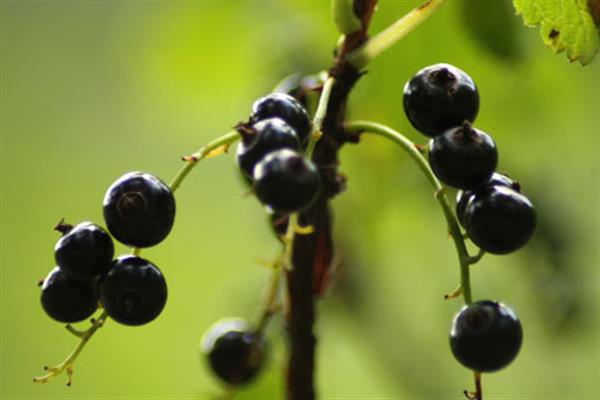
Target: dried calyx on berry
x,y
440,97
85,251
267,135
463,157
139,209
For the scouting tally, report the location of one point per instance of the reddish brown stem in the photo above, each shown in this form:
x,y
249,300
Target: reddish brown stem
x,y
316,249
310,253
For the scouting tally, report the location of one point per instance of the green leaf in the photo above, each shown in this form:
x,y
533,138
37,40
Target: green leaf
x,y
566,25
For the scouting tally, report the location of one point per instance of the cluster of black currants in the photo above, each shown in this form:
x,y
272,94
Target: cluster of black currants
x,y
441,101
139,211
270,157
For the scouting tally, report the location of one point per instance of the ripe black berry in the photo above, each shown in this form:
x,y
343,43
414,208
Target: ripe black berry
x,y
139,209
440,97
485,336
463,157
463,197
284,106
235,353
85,252
66,300
499,220
134,291
270,134
286,182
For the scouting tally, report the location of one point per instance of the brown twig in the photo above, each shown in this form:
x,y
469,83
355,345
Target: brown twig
x,y
316,248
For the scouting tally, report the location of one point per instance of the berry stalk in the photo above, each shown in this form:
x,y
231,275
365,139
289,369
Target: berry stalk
x,y
212,148
388,37
222,142
465,260
67,364
320,116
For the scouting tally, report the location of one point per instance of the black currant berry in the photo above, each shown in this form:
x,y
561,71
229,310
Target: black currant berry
x,y
85,252
286,182
270,134
499,220
463,157
463,197
134,291
139,209
235,353
66,300
440,97
485,336
284,106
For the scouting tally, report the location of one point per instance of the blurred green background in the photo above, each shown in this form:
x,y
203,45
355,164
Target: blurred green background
x,y
90,90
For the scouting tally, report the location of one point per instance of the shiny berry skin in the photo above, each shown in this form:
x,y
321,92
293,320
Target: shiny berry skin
x,y
500,220
463,157
485,336
85,252
234,351
134,291
284,106
270,134
286,182
440,97
67,300
463,197
139,209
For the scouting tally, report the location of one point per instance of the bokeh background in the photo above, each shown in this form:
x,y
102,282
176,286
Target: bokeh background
x,y
90,90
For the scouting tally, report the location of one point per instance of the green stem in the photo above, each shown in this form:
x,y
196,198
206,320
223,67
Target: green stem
x,y
320,116
440,194
476,258
270,303
67,364
376,45
344,17
191,161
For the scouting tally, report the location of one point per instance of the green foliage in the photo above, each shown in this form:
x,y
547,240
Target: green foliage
x,y
566,25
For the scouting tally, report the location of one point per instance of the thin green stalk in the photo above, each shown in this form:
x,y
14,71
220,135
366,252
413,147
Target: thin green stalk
x,y
67,364
320,116
440,194
344,17
270,307
192,160
376,45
